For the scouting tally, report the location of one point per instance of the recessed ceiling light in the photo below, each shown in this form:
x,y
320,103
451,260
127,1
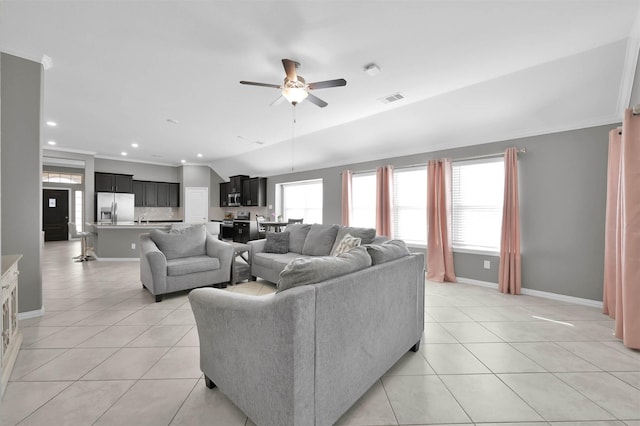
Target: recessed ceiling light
x,y
199,155
183,161
52,123
372,69
51,142
123,153
135,145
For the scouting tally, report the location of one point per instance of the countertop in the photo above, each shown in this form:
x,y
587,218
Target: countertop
x,y
131,225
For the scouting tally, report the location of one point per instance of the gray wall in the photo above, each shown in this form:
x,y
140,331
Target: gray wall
x,y
635,90
194,176
140,171
562,201
20,169
214,188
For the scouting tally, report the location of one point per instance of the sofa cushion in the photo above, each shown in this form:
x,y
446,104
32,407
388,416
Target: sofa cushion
x,y
277,242
179,243
189,265
387,251
347,243
274,261
366,235
320,240
310,270
297,234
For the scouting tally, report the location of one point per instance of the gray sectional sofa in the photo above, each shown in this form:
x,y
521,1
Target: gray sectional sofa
x,y
304,355
304,241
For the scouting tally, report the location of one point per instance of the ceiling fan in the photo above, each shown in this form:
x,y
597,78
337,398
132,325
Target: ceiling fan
x,y
295,89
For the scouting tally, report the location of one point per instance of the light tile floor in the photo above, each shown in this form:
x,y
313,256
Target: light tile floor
x,y
104,353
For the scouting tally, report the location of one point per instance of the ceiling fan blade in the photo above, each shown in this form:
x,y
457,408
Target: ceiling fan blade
x,y
278,101
253,83
316,100
329,83
290,69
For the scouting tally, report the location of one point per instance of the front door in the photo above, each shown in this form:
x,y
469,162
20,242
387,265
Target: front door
x,y
55,214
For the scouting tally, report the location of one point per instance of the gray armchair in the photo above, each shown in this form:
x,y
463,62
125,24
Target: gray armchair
x,y
183,259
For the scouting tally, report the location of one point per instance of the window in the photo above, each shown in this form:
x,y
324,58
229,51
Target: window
x,y
363,200
477,192
79,210
410,205
58,177
302,200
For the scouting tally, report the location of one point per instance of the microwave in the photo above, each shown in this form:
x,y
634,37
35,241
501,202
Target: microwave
x,y
234,199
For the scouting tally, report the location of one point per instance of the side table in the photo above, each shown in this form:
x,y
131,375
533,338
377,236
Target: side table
x,y
241,263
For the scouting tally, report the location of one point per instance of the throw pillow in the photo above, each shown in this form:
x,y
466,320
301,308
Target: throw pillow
x,y
387,251
346,244
320,240
311,270
365,234
179,243
277,242
297,234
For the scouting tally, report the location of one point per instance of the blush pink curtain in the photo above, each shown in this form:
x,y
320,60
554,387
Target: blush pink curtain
x,y
612,238
347,178
622,244
439,250
509,272
384,201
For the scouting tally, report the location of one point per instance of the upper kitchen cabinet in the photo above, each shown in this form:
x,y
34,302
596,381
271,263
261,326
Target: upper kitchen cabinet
x,y
235,183
254,192
224,191
112,182
156,194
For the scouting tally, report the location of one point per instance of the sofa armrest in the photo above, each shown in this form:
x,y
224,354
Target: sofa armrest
x,y
220,249
257,246
260,351
153,266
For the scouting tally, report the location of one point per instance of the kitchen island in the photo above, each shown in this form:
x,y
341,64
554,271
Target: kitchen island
x,y
119,241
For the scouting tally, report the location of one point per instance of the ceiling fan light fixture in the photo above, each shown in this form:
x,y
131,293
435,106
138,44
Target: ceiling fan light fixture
x,y
294,95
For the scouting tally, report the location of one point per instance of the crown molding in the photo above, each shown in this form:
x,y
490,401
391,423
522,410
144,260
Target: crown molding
x,y
71,150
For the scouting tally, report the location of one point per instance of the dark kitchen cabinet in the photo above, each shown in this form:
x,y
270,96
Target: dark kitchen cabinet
x,y
156,194
254,192
235,183
138,192
224,191
150,194
112,182
244,231
162,197
174,195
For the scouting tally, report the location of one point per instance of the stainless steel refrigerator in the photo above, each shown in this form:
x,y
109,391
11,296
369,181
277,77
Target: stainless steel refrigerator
x,y
114,207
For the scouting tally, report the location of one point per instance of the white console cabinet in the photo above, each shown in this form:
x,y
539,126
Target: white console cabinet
x,y
11,336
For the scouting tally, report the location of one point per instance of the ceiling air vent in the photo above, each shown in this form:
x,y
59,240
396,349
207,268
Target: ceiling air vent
x,y
391,98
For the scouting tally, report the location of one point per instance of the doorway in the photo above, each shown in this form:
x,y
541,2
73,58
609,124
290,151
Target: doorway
x,y
55,214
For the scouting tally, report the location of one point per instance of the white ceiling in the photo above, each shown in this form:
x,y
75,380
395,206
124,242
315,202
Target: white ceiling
x,y
471,72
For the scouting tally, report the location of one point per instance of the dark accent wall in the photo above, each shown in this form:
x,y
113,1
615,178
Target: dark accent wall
x,y
21,117
562,200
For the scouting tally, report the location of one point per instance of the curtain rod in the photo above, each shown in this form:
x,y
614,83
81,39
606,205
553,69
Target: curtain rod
x,y
522,150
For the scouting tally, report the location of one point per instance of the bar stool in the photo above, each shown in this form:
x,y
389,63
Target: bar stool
x,y
83,257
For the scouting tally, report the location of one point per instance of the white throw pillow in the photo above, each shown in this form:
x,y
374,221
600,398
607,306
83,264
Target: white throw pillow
x,y
346,244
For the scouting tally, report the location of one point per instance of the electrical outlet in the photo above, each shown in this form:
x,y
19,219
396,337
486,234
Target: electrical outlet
x,y
133,246
487,264
270,206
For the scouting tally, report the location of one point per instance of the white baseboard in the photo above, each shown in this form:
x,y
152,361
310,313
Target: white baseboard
x,y
31,314
537,293
117,259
